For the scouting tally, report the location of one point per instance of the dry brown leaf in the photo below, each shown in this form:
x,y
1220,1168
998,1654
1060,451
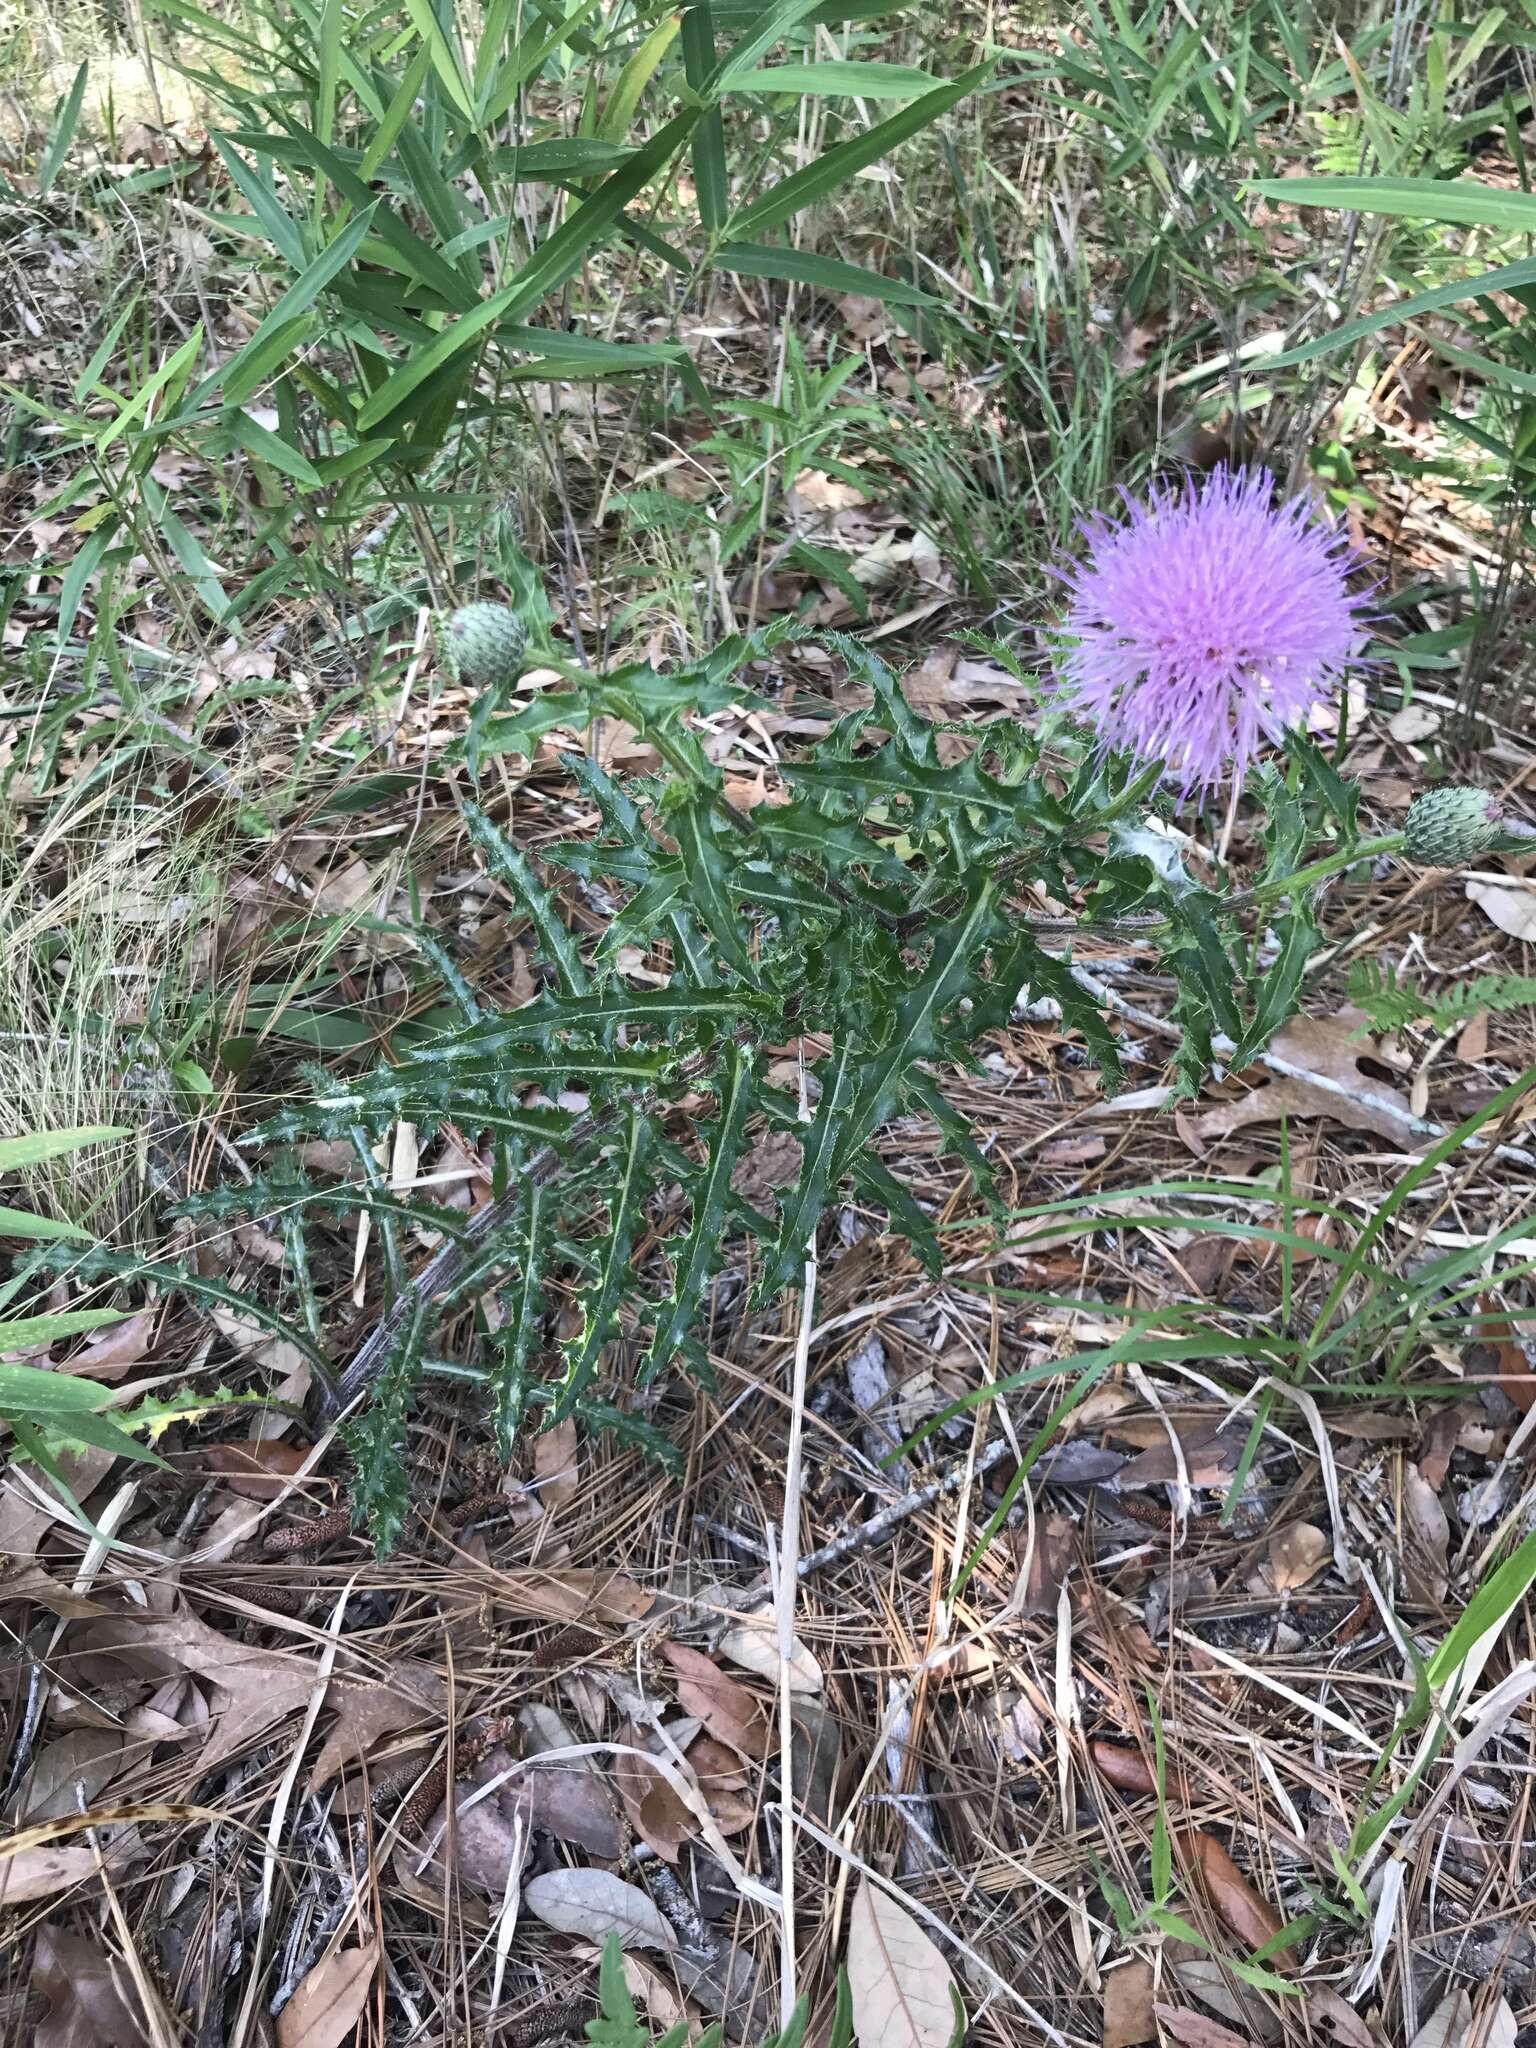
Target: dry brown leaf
x,y
41,1869
649,1989
252,1688
256,1470
1296,1555
656,1813
1128,2015
1447,2025
1197,2029
1324,1046
329,2003
825,493
111,1353
1516,1374
412,1693
492,1831
596,1904
1494,2027
554,1466
67,1775
1211,1451
1046,1563
772,1163
728,1710
1128,1769
90,2005
1251,1918
753,1643
569,1800
1326,2009
901,1986
1429,1536
572,1595
31,1582
1509,905
723,1781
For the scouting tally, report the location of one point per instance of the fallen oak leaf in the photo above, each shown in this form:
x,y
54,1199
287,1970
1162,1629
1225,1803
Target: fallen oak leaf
x,y
252,1688
1250,1917
329,2002
728,1710
1328,1081
1128,2013
595,1903
901,1988
1514,1373
656,1813
1197,2029
69,1773
33,1866
1296,1555
1326,2009
1129,1770
412,1693
256,1469
90,2005
548,1595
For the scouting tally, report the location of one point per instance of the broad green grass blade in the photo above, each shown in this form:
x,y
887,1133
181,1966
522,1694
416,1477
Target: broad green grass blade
x,y
776,20
23,1332
22,1223
635,77
1490,1606
1506,279
445,60
802,266
711,178
854,79
526,60
63,133
1462,201
167,374
18,1153
846,159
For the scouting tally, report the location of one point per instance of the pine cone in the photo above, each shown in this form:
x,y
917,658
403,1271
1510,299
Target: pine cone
x,y
1448,826
486,644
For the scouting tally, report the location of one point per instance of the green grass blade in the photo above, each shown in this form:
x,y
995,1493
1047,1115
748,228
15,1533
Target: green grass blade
x,y
826,273
19,1153
1464,202
63,133
846,159
851,78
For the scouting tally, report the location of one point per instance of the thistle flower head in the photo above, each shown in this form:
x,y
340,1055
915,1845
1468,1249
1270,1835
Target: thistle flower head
x,y
1206,622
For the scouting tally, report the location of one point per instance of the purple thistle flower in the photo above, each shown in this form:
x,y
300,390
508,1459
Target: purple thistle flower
x,y
1206,622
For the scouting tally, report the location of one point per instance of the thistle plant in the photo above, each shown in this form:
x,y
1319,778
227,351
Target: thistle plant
x,y
884,920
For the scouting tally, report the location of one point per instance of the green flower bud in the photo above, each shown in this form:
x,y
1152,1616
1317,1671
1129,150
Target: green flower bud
x,y
1447,826
486,644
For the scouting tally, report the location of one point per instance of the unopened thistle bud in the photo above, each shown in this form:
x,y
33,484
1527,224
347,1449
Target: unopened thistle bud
x,y
486,644
1448,826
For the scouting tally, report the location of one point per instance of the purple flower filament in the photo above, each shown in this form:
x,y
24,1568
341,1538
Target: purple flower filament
x,y
1206,622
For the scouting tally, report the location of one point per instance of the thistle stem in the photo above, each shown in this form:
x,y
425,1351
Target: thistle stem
x,y
1318,870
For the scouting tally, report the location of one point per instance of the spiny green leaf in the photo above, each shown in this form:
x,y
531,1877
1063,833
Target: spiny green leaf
x,y
704,1253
